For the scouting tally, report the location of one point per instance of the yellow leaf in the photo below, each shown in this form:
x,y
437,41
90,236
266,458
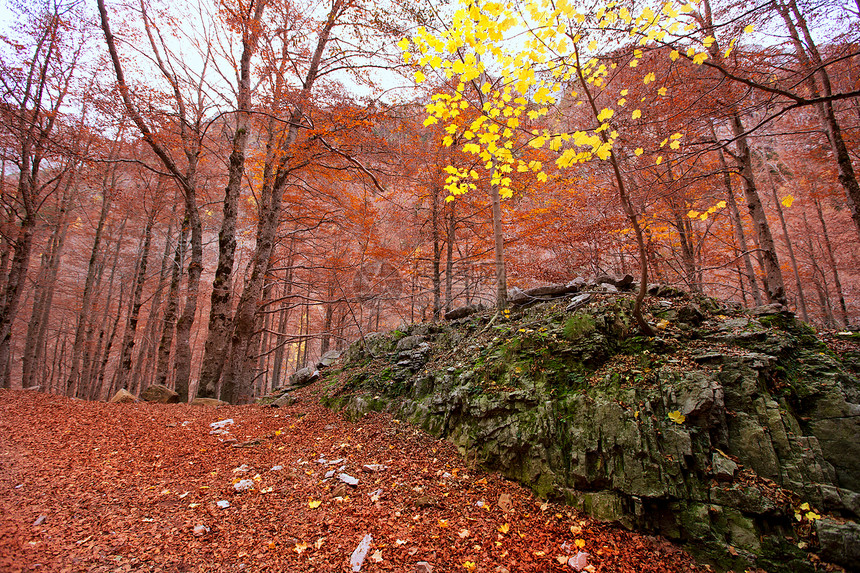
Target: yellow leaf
x,y
661,91
659,160
504,528
675,145
636,114
749,29
403,44
443,523
693,214
787,201
605,114
277,432
805,506
812,516
579,543
624,92
419,77
674,55
639,151
314,504
649,77
677,417
469,565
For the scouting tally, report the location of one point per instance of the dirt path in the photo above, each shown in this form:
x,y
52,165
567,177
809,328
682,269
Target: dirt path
x,y
134,487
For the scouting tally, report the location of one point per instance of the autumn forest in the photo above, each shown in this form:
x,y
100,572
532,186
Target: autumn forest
x,y
212,194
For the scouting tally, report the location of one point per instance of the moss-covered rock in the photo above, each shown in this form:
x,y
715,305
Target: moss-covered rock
x,y
713,434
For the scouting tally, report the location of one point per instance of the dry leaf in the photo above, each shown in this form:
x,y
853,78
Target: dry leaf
x,y
504,528
300,547
464,533
376,557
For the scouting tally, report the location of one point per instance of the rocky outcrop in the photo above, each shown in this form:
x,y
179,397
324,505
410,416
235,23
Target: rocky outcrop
x,y
730,432
283,397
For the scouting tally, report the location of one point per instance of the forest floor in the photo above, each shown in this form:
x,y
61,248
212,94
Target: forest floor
x,y
90,486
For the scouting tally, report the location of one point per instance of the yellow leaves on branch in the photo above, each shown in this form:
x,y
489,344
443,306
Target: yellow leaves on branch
x,y
530,76
703,216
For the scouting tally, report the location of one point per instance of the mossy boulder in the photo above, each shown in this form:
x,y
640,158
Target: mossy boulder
x,y
713,433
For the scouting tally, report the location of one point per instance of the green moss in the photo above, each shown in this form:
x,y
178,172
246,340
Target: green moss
x,y
579,325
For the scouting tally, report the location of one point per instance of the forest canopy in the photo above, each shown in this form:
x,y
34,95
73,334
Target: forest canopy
x,y
213,195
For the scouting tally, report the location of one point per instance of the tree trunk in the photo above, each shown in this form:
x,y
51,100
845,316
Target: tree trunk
x,y
499,246
93,372
815,68
220,310
34,348
283,317
828,249
238,389
169,320
437,255
738,224
820,285
86,297
685,236
127,347
146,357
801,300
182,354
449,259
102,371
774,285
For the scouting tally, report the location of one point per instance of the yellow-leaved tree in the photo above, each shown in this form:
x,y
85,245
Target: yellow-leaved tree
x,y
550,74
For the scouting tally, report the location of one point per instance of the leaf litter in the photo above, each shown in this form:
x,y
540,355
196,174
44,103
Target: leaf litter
x,y
95,487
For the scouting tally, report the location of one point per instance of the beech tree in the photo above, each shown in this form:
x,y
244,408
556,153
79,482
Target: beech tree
x,y
37,79
556,62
